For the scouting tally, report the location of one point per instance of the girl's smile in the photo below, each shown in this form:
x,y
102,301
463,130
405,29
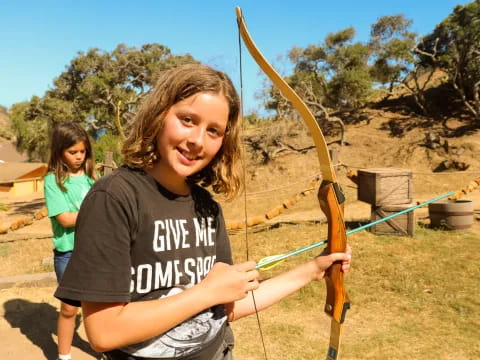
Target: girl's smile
x,y
192,134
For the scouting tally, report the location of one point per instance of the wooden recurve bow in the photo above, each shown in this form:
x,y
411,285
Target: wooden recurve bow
x,y
330,195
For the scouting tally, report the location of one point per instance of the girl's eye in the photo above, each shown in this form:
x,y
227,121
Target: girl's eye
x,y
215,132
187,120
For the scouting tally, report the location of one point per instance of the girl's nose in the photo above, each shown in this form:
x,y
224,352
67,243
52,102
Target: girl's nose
x,y
196,138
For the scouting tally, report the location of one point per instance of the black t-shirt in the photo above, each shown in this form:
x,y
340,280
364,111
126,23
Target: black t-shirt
x,y
134,241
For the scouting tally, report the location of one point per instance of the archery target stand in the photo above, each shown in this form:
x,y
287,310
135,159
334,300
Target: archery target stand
x,y
388,190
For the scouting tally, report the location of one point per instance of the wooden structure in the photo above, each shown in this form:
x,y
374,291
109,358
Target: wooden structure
x,y
388,190
19,178
454,215
401,225
381,186
108,163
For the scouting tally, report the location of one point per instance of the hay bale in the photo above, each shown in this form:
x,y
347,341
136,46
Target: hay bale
x,y
16,224
274,212
4,227
255,221
40,214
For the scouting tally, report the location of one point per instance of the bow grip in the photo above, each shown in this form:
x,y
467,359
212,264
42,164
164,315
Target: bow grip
x,y
331,200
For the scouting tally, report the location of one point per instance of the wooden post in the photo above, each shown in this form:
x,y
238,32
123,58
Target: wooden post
x,y
333,156
108,163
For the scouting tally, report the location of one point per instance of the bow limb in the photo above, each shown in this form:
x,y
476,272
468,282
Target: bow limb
x,y
330,195
326,167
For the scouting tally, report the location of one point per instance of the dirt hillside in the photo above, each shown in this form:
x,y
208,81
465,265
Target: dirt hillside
x,y
439,161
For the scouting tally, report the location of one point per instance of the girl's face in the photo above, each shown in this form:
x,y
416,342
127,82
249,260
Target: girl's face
x,y
74,157
191,137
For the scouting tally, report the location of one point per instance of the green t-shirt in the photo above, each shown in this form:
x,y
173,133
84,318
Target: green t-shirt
x,y
59,202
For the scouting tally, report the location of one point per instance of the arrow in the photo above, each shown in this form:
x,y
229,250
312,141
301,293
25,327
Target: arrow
x,y
270,262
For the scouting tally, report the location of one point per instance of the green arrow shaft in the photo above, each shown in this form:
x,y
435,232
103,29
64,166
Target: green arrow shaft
x,y
363,227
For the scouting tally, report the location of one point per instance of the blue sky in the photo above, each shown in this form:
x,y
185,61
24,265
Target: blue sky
x,y
38,39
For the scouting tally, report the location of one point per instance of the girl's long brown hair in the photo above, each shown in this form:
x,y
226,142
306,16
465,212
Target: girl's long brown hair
x,y
139,149
65,135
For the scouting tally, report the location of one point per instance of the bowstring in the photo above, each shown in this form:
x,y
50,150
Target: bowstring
x,y
245,189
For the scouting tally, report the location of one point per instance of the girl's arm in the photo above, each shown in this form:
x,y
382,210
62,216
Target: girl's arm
x,y
113,325
279,287
67,219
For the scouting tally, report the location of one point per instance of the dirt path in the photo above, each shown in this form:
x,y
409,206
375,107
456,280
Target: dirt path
x,y
28,326
28,315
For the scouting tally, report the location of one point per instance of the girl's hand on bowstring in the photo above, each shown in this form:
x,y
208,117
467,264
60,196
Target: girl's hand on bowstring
x,y
322,262
228,283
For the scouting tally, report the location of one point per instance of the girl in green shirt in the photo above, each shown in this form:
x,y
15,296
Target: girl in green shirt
x,y
70,176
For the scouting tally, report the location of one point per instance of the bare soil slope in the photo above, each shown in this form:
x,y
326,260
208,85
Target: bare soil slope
x,y
424,147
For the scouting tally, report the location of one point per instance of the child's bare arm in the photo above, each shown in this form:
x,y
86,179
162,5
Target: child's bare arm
x,y
67,219
279,287
113,325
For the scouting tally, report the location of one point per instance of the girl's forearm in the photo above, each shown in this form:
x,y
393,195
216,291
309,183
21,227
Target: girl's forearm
x,y
110,326
67,219
274,289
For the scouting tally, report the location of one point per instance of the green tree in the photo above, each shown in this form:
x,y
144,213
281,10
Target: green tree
x,y
392,44
395,59
332,75
32,122
337,70
102,85
107,142
31,129
101,90
454,46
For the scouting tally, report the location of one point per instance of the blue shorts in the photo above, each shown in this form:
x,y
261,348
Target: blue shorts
x,y
60,262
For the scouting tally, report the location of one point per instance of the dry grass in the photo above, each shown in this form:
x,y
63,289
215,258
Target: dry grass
x,y
412,298
25,256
